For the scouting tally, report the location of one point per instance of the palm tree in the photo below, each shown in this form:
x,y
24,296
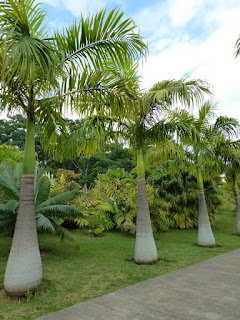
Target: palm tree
x,y
48,209
145,125
237,46
39,75
229,153
203,160
145,129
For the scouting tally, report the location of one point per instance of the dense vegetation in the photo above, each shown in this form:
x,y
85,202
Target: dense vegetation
x,y
135,161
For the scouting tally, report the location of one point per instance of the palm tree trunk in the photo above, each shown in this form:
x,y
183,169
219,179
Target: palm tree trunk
x,y
237,200
145,248
24,269
205,234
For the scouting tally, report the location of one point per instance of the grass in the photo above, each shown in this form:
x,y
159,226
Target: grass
x,y
105,264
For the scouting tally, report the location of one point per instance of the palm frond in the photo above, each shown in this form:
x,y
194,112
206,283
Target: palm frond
x,y
45,224
60,199
207,112
91,135
9,208
60,211
90,40
7,171
187,92
8,189
64,234
237,46
25,53
227,125
42,190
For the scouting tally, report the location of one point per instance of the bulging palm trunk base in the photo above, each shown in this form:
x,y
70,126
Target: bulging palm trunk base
x,y
205,234
24,269
145,248
237,199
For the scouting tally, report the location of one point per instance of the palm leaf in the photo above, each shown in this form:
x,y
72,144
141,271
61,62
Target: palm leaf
x,y
60,199
60,211
207,112
43,223
64,234
25,54
9,208
42,191
90,40
227,125
237,46
8,189
187,92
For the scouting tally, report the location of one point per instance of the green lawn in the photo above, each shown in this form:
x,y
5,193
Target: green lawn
x,y
105,264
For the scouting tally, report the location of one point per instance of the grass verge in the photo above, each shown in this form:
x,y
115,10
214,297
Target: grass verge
x,y
105,264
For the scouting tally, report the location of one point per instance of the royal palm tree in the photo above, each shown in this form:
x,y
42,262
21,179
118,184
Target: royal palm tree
x,y
229,153
237,46
203,160
150,126
39,75
145,125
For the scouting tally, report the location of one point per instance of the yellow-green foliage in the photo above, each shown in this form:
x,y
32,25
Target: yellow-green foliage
x,y
112,203
65,181
10,153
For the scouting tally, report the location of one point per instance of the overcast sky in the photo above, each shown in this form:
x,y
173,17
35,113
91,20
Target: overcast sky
x,y
186,37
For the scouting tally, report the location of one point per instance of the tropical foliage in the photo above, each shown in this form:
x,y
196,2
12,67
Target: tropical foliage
x,y
50,211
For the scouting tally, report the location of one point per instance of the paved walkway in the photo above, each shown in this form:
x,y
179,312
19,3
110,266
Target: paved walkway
x,y
208,290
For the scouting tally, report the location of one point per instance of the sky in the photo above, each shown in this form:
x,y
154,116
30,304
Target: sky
x,y
185,37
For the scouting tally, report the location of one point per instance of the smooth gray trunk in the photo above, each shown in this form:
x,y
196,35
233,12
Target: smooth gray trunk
x,y
24,270
145,248
237,199
205,234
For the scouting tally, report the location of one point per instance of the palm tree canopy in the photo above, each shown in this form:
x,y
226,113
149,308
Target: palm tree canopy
x,y
237,46
40,73
186,91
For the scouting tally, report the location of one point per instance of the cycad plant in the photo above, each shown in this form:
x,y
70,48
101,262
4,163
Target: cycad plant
x,y
42,73
49,210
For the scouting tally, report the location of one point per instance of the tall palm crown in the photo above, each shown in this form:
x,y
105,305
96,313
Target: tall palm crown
x,y
40,74
210,129
148,123
229,154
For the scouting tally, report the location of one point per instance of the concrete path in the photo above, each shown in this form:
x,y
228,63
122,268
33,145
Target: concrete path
x,y
208,290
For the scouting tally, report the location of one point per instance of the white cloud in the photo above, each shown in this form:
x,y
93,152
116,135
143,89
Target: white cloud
x,y
53,3
182,11
210,58
78,7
